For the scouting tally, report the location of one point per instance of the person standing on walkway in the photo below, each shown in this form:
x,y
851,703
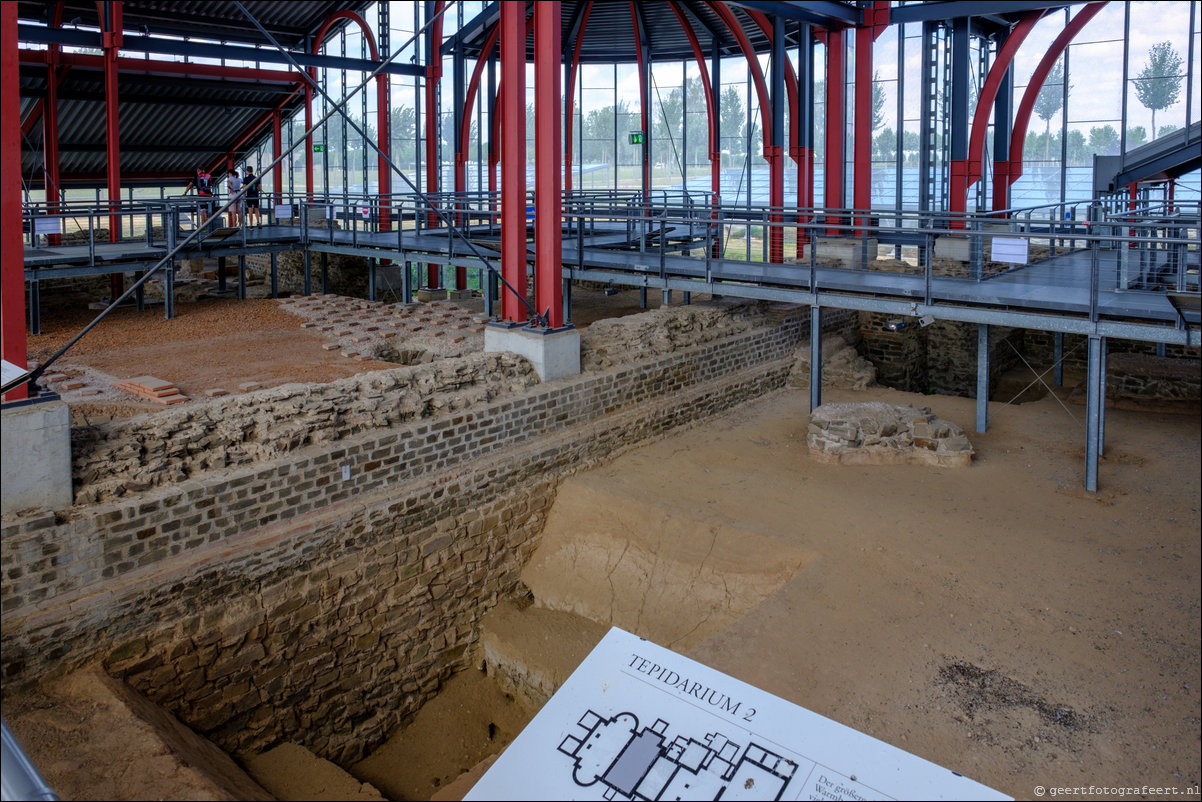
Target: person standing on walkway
x,y
203,184
237,202
251,182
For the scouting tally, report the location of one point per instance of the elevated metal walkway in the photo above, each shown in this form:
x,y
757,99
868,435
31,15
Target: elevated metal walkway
x,y
1107,280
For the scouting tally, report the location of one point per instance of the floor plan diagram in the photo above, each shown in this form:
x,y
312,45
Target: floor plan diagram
x,y
633,763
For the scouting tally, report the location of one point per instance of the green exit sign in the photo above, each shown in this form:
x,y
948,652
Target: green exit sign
x,y
636,137
319,148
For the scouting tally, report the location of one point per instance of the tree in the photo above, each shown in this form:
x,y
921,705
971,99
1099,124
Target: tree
x,y
1051,99
1104,140
1159,82
1136,136
878,103
883,146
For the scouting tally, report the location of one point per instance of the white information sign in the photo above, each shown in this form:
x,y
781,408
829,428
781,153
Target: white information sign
x,y
1010,250
283,210
47,225
637,721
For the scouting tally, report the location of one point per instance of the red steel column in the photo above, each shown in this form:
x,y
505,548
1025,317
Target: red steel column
x,y
513,159
384,142
309,138
50,138
862,133
965,172
111,39
12,260
548,165
834,167
433,74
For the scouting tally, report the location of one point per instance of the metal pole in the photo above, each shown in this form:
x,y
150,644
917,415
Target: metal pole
x,y
982,377
815,357
1093,414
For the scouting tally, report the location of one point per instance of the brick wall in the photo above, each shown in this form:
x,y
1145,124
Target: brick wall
x,y
280,600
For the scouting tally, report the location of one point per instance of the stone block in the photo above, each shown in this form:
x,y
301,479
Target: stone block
x,y
36,464
846,252
951,246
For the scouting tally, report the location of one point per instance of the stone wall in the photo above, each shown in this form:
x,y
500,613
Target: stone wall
x,y
168,447
321,595
939,358
346,275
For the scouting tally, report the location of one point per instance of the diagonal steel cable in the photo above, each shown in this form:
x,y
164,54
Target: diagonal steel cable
x,y
1039,379
443,216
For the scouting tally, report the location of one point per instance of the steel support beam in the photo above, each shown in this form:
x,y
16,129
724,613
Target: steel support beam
x,y
277,150
548,211
1003,109
159,45
815,357
513,159
1095,399
982,377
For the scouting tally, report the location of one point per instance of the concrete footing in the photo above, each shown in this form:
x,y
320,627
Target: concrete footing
x,y
848,252
36,455
555,353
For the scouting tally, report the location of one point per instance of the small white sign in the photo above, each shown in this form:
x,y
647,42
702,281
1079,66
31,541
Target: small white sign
x,y
1010,250
637,721
47,225
365,211
283,210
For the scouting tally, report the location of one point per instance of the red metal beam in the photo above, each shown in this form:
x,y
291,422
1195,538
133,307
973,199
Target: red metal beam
x,y
753,63
433,75
513,160
876,20
644,119
12,261
569,118
309,137
965,172
548,165
1007,172
50,135
834,167
383,140
469,97
776,242
111,38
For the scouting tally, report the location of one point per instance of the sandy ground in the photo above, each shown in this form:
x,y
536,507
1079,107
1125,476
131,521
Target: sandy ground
x,y
998,620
